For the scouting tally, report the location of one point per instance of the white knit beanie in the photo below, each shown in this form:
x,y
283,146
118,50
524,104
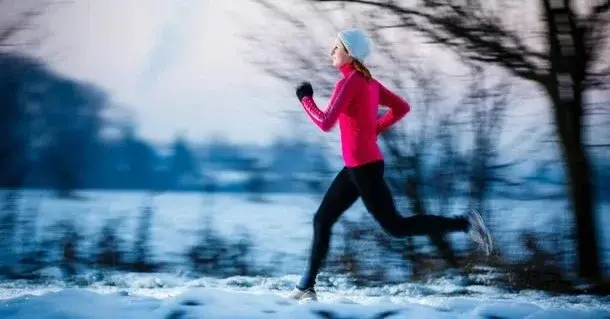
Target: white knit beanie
x,y
357,43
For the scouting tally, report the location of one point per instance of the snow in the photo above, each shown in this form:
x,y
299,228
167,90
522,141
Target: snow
x,y
280,225
135,295
131,295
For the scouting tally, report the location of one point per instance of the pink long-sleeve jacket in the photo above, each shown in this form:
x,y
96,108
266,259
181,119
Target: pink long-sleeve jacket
x,y
354,103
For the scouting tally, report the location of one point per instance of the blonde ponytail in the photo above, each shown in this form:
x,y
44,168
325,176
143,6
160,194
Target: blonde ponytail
x,y
362,69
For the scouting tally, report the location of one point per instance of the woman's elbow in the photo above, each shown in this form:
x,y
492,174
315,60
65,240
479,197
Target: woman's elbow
x,y
406,109
326,128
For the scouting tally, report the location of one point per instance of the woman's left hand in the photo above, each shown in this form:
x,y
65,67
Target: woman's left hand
x,y
303,90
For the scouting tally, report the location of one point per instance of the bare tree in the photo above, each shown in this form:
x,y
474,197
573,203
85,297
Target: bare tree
x,y
455,147
411,149
570,62
488,98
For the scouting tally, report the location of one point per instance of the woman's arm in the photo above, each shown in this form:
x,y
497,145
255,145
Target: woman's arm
x,y
398,108
325,120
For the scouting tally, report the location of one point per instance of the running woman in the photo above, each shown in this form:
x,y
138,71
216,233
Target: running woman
x,y
354,104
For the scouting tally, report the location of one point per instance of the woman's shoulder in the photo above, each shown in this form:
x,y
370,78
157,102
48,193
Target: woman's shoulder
x,y
356,78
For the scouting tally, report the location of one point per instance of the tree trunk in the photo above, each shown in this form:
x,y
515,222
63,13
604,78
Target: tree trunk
x,y
581,192
565,88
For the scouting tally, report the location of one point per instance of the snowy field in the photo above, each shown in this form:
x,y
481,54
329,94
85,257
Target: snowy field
x,y
173,296
280,226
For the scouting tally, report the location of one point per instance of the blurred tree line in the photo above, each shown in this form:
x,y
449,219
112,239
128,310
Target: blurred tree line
x,y
59,133
65,134
53,136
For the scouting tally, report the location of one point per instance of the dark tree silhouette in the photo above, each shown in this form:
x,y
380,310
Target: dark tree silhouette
x,y
184,168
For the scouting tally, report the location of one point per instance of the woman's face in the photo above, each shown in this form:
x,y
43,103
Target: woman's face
x,y
340,55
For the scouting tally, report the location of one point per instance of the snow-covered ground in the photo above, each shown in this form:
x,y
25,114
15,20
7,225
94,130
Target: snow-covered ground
x,y
128,295
280,226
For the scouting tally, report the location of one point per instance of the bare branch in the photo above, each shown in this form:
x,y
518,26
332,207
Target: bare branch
x,y
17,23
16,26
301,64
597,146
505,181
599,80
596,30
478,37
601,8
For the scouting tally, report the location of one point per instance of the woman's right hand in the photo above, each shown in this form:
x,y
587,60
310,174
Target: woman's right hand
x,y
303,90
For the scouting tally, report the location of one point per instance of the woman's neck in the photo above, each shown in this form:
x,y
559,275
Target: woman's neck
x,y
346,69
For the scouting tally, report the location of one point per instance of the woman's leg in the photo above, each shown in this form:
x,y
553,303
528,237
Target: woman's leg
x,y
378,200
341,194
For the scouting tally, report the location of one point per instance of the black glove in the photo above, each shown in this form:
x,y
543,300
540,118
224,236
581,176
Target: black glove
x,y
303,90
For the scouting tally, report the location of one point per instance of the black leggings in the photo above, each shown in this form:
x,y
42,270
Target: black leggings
x,y
367,182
